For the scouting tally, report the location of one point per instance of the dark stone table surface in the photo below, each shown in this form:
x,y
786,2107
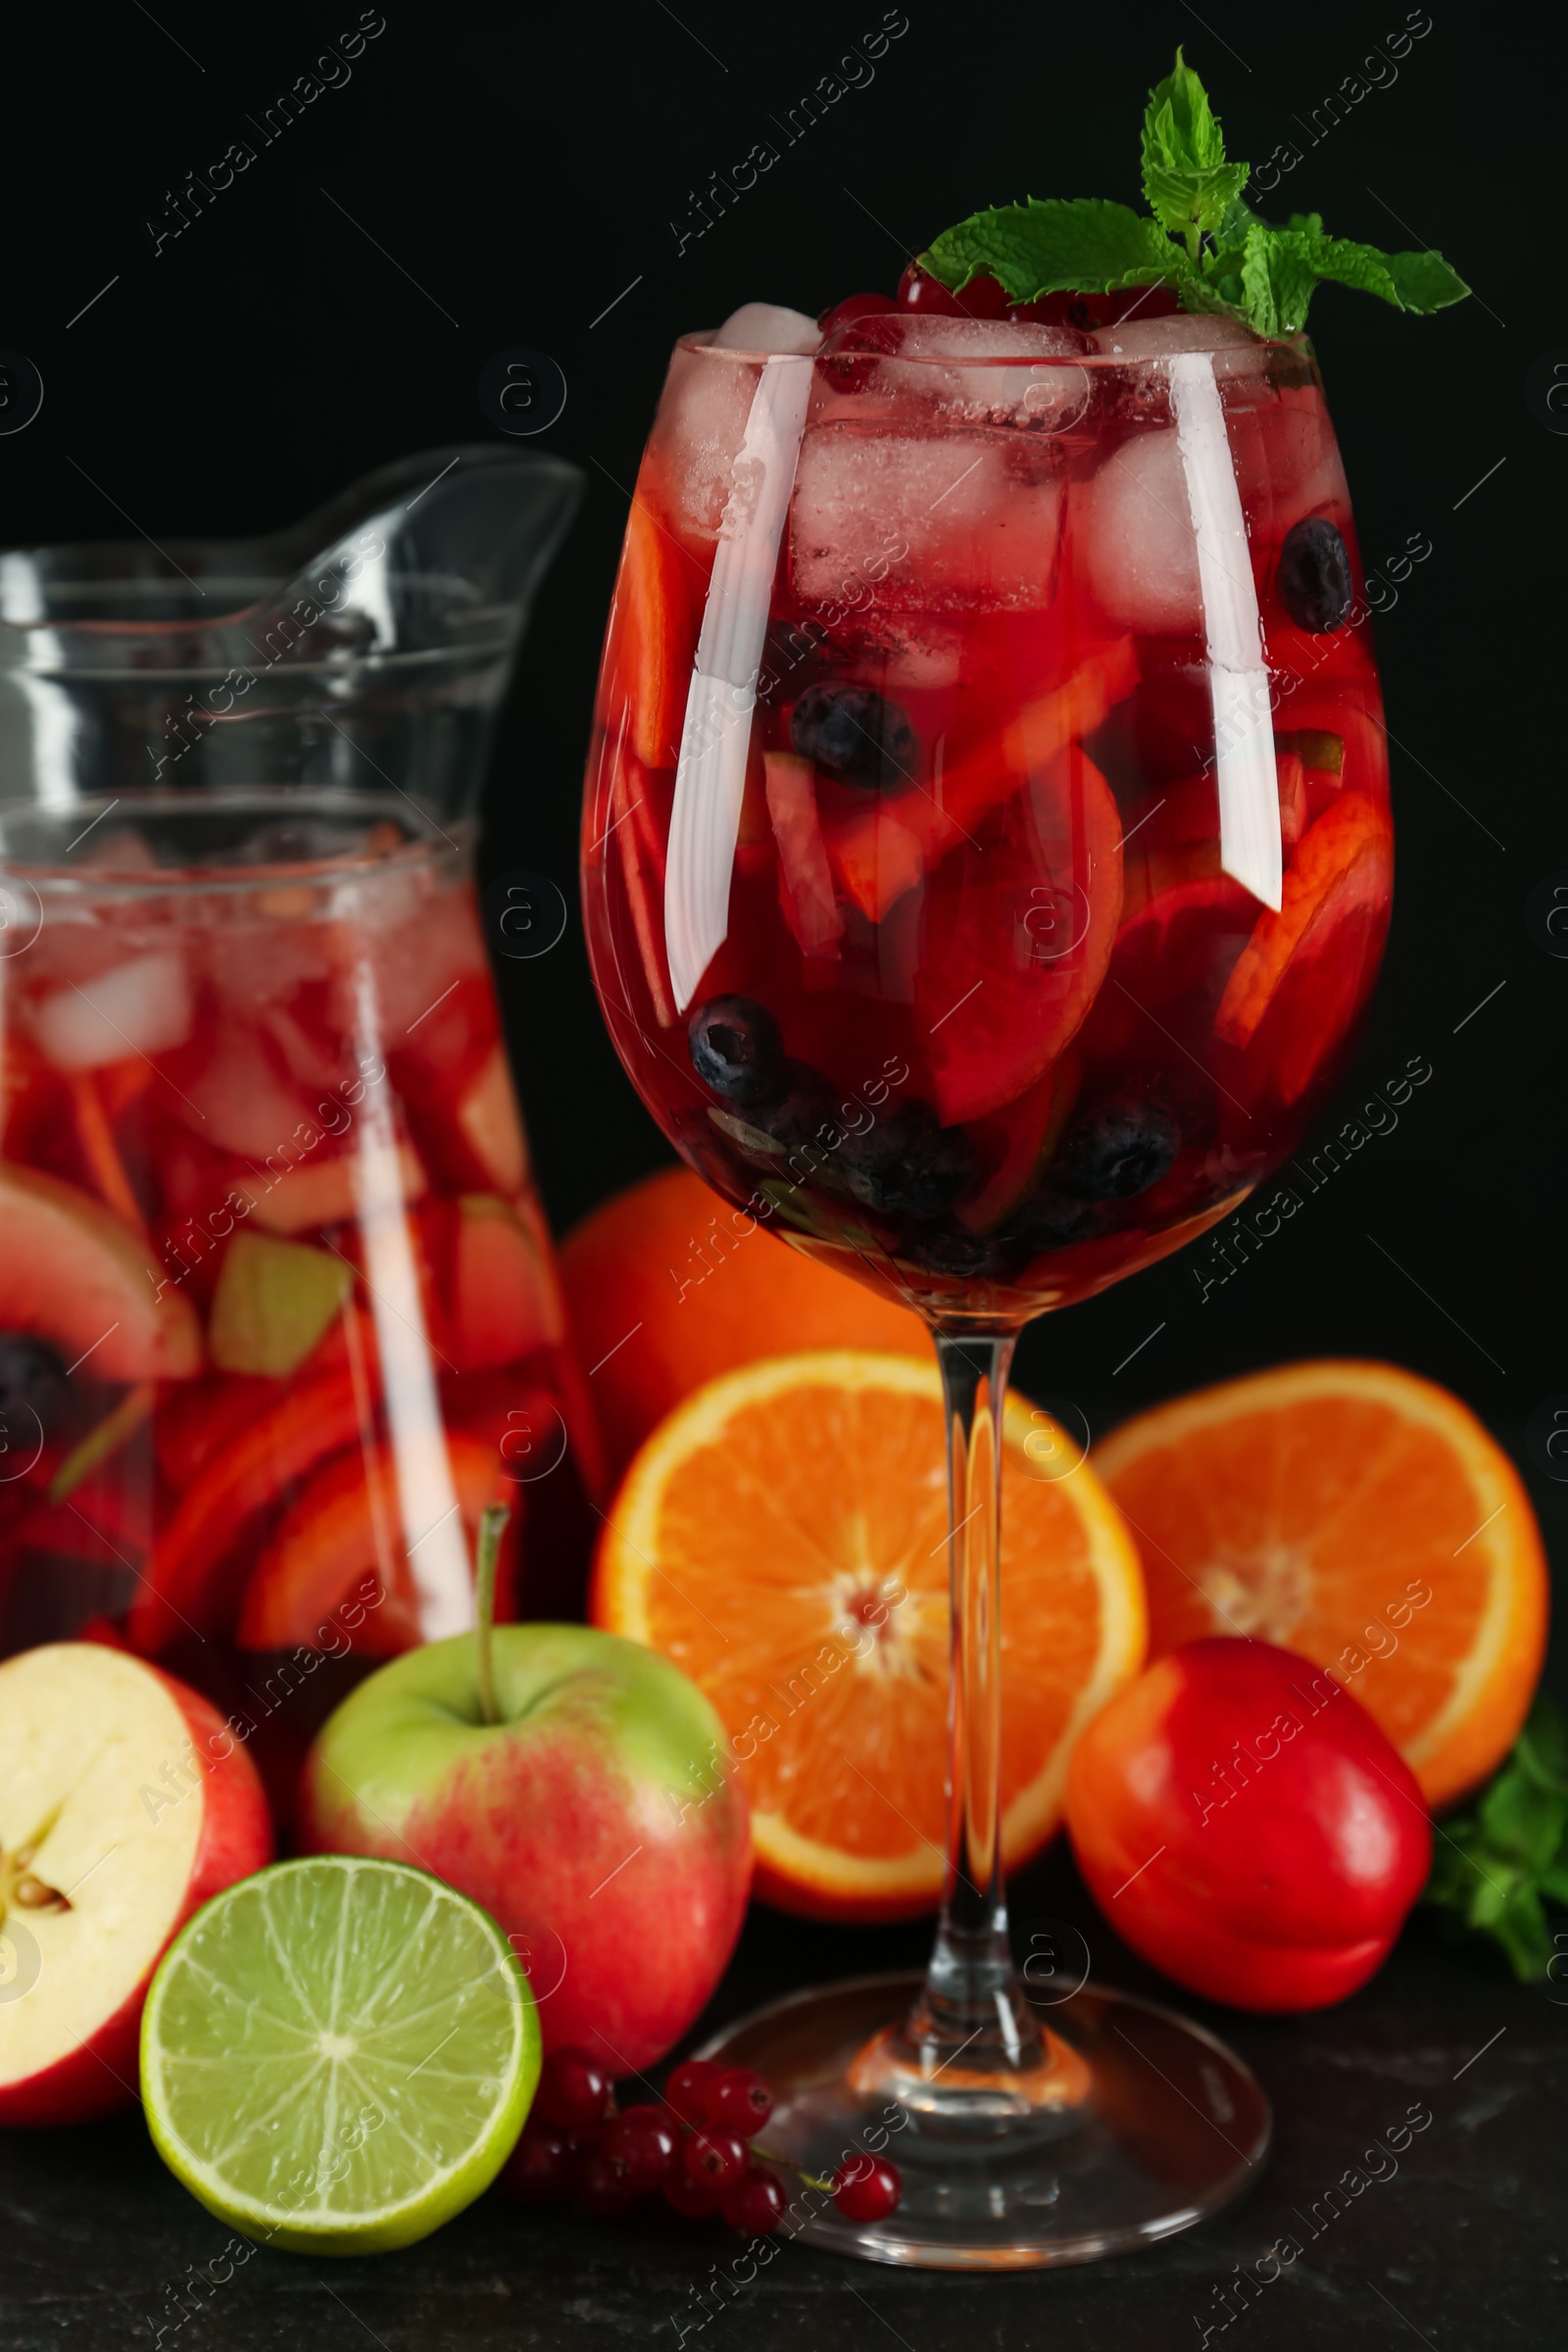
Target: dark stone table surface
x,y
1458,2241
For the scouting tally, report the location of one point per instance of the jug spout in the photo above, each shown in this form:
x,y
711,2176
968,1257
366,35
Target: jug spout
x,y
449,543
366,646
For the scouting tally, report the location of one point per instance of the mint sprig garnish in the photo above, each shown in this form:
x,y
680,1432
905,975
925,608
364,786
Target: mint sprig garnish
x,y
1501,1863
1188,185
1198,237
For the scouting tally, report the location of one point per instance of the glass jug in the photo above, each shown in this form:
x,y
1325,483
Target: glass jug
x,y
278,1307
365,649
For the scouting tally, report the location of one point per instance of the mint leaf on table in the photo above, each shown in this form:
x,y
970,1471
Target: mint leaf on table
x,y
1199,236
1055,247
1497,1864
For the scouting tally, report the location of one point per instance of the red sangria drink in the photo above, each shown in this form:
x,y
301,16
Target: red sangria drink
x,y
987,864
278,1303
1057,860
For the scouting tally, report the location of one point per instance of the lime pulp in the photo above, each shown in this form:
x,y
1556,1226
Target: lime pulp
x,y
338,2055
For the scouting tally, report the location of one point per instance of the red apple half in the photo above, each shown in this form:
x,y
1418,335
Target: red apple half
x,y
126,1802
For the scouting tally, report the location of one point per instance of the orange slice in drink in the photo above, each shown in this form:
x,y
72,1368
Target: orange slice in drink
x,y
648,624
1363,1517
782,1538
1342,867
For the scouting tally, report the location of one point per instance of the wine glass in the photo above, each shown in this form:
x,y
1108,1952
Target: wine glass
x,y
986,863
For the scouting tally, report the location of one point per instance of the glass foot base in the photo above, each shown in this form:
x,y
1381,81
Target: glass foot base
x,y
1172,2126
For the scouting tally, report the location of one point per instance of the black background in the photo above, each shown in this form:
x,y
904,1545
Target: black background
x,y
522,164
518,169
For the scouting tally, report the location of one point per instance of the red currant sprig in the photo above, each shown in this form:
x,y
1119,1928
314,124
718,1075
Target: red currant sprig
x,y
696,2149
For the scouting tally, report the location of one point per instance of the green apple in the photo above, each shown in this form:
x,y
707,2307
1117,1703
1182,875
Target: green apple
x,y
598,1818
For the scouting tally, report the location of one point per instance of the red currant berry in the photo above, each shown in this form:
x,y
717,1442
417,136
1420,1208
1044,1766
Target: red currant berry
x,y
695,2199
866,2188
927,295
574,2090
713,2154
601,2185
742,2100
645,2140
982,297
688,2088
855,305
538,2170
754,2203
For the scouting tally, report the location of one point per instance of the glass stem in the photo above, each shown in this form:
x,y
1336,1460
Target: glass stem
x,y
970,1997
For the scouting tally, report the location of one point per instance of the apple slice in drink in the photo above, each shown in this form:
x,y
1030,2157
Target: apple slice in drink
x,y
1027,1138
1016,944
875,864
126,1803
274,1302
342,1542
1178,907
181,1589
70,1273
504,1300
196,1422
488,1121
311,1193
805,878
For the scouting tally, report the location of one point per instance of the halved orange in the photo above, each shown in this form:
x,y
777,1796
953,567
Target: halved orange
x,y
782,1538
1315,1505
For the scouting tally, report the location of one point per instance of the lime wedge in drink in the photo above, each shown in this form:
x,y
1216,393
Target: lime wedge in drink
x,y
338,2055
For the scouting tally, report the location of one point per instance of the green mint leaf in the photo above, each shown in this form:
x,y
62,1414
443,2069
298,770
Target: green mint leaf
x,y
1187,185
1521,1930
1193,201
1499,1863
1347,263
1234,224
1542,1746
1278,274
1411,282
1280,267
1423,283
1524,1821
1179,126
1059,246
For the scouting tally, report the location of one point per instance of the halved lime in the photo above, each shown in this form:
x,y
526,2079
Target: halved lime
x,y
338,2055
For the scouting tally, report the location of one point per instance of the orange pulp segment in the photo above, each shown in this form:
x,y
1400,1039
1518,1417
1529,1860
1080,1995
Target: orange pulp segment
x,y
782,1538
